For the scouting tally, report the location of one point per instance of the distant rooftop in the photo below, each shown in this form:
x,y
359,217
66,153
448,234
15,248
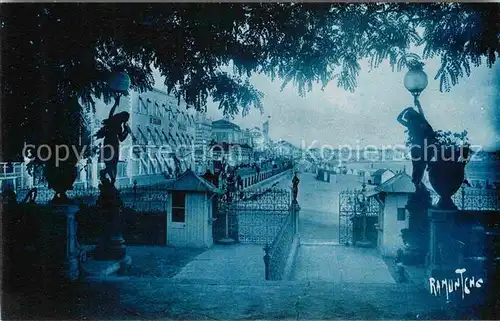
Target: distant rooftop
x,y
225,124
381,171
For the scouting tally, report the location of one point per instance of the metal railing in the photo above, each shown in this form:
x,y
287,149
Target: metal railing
x,y
87,194
474,199
276,254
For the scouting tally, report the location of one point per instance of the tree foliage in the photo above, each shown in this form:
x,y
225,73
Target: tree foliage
x,y
54,53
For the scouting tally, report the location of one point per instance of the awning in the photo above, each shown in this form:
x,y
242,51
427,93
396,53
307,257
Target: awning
x,y
152,136
165,161
173,139
159,136
165,135
143,135
159,162
134,139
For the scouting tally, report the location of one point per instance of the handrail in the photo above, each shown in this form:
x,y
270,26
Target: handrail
x,y
280,233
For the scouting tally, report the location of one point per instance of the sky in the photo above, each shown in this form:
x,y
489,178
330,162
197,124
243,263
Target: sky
x,y
368,116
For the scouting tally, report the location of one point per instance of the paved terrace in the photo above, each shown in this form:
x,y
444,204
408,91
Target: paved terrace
x,y
227,262
339,263
319,202
154,298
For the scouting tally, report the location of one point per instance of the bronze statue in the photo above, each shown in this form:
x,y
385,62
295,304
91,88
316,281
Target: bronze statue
x,y
295,187
114,131
421,137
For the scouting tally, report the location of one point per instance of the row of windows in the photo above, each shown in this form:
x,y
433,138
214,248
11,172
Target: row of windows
x,y
84,171
159,137
155,109
146,166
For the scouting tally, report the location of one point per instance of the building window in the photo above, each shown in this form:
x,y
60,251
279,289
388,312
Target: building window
x,y
401,214
178,206
121,169
158,112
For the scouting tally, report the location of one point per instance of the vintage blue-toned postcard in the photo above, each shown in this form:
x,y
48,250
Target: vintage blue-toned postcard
x,y
250,161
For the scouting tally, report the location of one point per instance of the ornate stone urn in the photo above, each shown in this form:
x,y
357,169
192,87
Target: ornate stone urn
x,y
60,179
447,169
446,177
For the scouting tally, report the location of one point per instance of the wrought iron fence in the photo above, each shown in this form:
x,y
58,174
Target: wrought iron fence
x,y
352,205
44,194
88,195
474,199
254,218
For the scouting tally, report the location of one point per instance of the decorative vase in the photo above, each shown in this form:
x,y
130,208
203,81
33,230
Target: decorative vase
x,y
60,179
446,175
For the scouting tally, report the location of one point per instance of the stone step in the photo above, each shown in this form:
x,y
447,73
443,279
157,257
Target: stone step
x,y
102,268
115,297
318,242
399,287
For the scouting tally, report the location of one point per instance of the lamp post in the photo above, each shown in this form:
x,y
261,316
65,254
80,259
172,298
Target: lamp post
x,y
415,82
416,236
228,206
114,131
362,201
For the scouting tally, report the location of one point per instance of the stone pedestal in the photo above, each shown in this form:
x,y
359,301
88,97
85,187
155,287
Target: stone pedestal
x,y
59,241
112,245
443,259
295,210
416,237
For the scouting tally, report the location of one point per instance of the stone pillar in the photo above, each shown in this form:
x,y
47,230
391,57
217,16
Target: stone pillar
x,y
59,238
112,245
417,234
441,223
295,210
94,174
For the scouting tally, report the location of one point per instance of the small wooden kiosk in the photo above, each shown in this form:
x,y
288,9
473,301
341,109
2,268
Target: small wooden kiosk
x,y
190,211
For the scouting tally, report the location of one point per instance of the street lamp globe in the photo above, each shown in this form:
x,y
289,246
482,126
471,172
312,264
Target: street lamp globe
x,y
119,82
415,80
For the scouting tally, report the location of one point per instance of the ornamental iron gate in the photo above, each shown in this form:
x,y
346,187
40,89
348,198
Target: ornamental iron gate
x,y
253,216
358,215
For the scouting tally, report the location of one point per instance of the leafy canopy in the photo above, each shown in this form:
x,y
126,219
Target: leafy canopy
x,y
55,53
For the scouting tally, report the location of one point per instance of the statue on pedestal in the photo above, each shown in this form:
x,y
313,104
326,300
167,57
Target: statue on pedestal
x,y
114,131
295,187
421,138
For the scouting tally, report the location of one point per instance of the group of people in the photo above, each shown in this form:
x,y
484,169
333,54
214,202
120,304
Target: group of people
x,y
229,178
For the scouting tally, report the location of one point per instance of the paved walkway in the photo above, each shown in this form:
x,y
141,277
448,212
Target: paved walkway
x,y
231,262
227,262
340,263
319,256
159,261
319,202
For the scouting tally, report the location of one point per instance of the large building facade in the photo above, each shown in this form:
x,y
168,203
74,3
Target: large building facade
x,y
233,146
225,131
203,138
